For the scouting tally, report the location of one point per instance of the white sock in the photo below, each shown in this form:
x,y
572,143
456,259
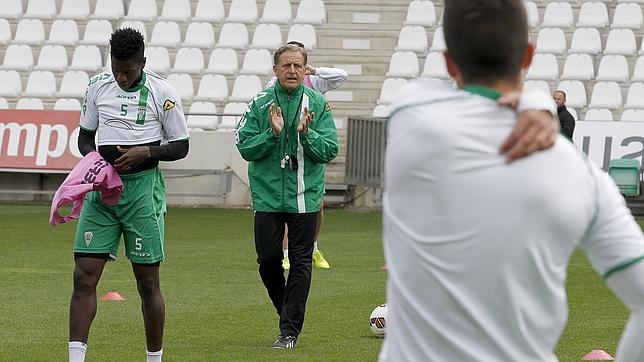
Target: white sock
x,y
154,356
286,253
77,351
315,246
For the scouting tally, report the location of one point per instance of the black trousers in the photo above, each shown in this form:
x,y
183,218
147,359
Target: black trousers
x,y
288,296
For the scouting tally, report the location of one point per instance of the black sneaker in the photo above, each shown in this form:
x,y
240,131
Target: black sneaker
x,y
284,342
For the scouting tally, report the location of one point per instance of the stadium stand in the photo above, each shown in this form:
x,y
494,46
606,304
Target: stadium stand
x,y
277,11
74,9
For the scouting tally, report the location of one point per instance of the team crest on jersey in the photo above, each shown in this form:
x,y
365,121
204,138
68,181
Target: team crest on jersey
x,y
168,105
88,237
326,107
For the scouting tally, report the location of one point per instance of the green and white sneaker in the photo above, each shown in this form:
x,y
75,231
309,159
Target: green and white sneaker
x,y
285,263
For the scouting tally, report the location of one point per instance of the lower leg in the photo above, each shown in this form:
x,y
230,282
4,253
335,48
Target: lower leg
x,y
152,304
82,307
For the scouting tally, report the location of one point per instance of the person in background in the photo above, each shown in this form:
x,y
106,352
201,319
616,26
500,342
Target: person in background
x,y
478,248
321,79
127,112
287,135
566,120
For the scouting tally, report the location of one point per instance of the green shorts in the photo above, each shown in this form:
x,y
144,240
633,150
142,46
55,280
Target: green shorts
x,y
139,216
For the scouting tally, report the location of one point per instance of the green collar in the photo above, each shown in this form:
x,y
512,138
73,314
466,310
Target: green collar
x,y
139,85
483,91
281,89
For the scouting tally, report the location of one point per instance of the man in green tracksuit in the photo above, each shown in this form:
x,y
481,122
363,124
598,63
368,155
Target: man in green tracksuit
x,y
287,134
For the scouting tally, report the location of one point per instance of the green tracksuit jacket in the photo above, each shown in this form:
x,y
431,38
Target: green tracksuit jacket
x,y
288,189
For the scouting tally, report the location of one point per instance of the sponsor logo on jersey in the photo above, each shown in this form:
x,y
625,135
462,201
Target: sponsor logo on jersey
x,y
327,108
88,237
125,96
168,105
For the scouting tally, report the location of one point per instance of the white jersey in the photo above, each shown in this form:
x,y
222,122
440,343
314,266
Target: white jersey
x,y
478,249
324,79
148,112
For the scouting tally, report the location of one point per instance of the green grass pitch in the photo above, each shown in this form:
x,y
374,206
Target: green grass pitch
x,y
216,307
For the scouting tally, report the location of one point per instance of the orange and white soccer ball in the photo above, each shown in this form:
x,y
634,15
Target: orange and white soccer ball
x,y
378,320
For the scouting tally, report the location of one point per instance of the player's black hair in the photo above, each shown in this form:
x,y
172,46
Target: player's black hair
x,y
127,44
290,46
486,38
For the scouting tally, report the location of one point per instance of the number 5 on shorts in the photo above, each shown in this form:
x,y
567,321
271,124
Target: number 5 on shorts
x,y
138,246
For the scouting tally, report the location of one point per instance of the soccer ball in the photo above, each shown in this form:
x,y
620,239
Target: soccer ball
x,y
378,320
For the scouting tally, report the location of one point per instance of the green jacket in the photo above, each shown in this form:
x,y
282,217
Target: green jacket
x,y
288,189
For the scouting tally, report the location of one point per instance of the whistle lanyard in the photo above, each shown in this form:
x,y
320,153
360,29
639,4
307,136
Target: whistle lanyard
x,y
286,127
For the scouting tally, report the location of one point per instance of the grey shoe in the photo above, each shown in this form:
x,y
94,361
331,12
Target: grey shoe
x,y
284,342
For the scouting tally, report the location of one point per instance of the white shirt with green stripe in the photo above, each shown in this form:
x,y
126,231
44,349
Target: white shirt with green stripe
x,y
149,111
477,248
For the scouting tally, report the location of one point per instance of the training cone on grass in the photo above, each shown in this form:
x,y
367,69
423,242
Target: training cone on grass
x,y
112,296
598,355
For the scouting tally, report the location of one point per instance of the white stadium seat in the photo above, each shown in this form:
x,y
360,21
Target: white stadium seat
x,y
157,59
74,9
638,70
73,84
544,66
575,93
380,111
40,83
204,121
97,32
177,10
635,97
109,9
188,60
558,14
598,114
310,12
541,85
586,40
11,9
412,38
41,9
304,33
606,95
533,13
267,36
573,113
212,87
435,66
233,35
232,114
209,11
621,41
551,40
223,61
421,12
18,57
613,67
3,103
390,89
166,34
67,104
245,88
5,31
63,32
52,57
183,83
144,10
578,66
257,61
593,14
403,64
30,31
627,15
199,35
30,104
277,11
632,115
438,40
10,83
87,58
242,11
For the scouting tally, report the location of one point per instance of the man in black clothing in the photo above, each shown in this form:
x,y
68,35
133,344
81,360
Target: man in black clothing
x,y
566,120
